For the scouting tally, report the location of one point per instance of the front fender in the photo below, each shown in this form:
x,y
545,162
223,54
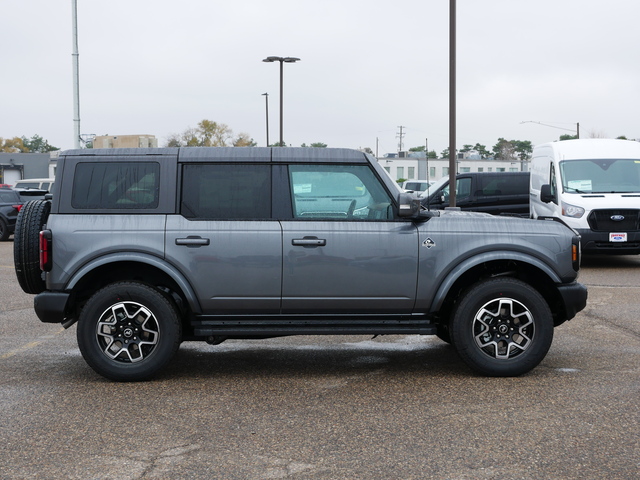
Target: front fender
x,y
469,263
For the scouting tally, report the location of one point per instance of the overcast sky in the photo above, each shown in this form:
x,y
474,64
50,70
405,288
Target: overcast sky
x,y
367,67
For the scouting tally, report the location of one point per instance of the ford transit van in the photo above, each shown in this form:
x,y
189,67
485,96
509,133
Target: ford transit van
x,y
593,185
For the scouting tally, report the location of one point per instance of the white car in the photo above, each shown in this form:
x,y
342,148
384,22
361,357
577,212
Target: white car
x,y
416,186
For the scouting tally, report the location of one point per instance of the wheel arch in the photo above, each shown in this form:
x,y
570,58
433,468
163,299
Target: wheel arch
x,y
514,264
139,267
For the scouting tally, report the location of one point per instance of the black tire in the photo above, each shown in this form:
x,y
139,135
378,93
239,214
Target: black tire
x,y
4,231
26,245
128,331
502,327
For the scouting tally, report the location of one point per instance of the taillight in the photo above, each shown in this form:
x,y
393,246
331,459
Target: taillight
x,y
17,207
45,250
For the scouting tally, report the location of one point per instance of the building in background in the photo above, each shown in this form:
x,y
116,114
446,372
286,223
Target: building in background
x,y
125,141
408,166
17,166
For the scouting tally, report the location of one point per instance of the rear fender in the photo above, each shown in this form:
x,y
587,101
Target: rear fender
x,y
150,260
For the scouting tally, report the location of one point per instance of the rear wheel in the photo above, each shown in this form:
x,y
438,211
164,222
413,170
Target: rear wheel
x,y
26,245
502,327
128,331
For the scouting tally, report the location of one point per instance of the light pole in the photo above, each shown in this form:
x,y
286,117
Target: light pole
x,y
266,100
282,60
577,130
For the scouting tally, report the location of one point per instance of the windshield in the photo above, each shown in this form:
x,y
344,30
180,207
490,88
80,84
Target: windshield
x,y
608,175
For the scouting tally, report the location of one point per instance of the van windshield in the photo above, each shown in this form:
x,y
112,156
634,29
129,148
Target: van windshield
x,y
607,175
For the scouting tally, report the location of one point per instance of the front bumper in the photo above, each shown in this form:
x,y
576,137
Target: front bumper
x,y
574,297
51,306
598,242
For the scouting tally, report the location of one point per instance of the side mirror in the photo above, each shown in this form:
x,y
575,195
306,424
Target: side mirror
x,y
408,205
545,194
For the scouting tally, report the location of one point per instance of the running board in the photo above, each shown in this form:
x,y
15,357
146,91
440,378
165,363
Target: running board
x,y
312,325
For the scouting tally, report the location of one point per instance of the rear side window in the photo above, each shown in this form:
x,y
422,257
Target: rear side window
x,y
116,185
9,196
226,191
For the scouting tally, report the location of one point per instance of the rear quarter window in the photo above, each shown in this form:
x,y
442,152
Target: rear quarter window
x,y
116,185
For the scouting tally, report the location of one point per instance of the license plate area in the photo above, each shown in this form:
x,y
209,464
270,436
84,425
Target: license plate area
x,y
617,237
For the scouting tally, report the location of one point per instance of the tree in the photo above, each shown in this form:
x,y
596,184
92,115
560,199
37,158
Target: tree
x,y
512,149
244,140
504,150
209,134
315,145
37,144
12,145
566,136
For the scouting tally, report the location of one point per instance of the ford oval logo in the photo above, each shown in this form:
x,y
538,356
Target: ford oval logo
x,y
617,218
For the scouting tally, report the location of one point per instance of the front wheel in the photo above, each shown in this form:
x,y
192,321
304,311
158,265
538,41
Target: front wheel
x,y
502,327
128,331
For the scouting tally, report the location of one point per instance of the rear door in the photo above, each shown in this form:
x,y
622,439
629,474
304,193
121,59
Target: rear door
x,y
344,251
224,240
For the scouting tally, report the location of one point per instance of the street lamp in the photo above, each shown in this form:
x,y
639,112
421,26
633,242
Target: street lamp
x,y
266,100
282,60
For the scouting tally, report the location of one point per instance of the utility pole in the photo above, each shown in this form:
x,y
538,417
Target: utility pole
x,y
76,82
400,135
452,103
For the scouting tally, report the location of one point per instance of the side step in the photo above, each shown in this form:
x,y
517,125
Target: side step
x,y
312,325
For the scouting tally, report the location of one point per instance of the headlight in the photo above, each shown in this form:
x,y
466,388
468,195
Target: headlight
x,y
572,211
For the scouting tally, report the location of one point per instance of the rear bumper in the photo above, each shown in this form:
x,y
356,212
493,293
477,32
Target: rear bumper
x,y
574,296
51,306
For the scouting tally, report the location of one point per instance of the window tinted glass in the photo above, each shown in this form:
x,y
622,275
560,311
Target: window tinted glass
x,y
118,185
9,196
226,191
338,192
505,185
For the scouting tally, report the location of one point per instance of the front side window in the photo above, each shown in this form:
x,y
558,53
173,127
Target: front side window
x,y
226,191
338,192
116,185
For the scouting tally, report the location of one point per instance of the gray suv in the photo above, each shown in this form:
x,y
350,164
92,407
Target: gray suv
x,y
147,248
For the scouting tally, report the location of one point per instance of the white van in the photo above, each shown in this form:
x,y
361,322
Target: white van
x,y
593,185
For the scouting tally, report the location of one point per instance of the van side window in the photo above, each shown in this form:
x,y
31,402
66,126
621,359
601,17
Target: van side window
x,y
463,189
224,191
553,182
116,185
338,192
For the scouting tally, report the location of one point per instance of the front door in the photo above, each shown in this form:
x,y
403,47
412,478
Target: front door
x,y
344,251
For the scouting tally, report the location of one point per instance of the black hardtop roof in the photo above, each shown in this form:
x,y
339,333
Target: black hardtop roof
x,y
232,154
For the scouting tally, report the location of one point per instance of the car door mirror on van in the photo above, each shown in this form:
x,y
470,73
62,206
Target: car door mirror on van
x,y
408,205
545,194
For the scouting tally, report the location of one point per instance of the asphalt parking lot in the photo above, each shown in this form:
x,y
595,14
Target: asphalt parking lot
x,y
397,407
